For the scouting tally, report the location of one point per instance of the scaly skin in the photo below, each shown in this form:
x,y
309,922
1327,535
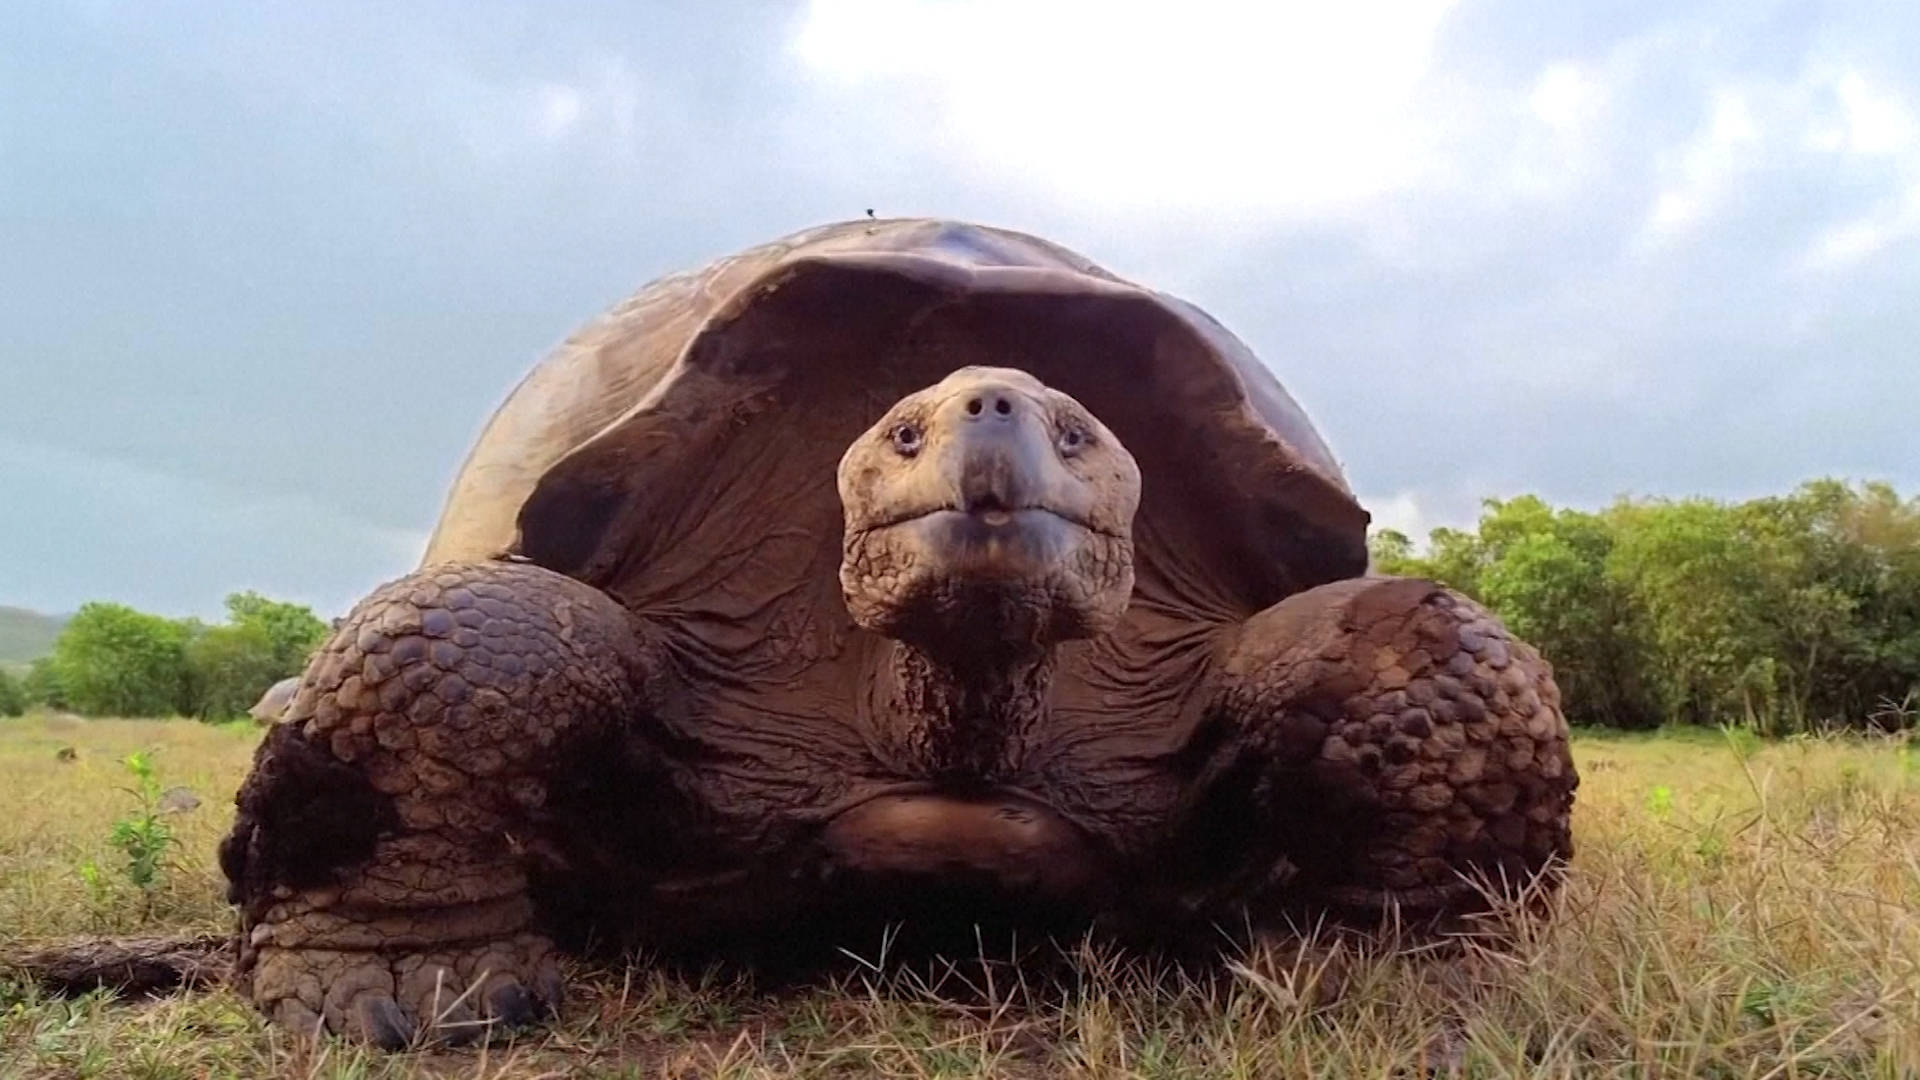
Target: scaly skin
x,y
1401,741
377,855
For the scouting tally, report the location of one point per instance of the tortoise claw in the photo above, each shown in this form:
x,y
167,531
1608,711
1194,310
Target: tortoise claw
x,y
299,1020
386,1024
458,1026
550,988
513,1006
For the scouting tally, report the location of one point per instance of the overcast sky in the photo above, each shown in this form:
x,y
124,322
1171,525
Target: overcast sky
x,y
266,269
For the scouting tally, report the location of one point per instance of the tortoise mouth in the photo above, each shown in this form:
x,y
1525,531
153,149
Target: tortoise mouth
x,y
987,517
1003,838
993,544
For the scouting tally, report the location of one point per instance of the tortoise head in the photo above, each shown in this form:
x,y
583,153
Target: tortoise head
x,y
987,513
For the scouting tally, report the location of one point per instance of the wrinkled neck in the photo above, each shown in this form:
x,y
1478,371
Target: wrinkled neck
x,y
961,719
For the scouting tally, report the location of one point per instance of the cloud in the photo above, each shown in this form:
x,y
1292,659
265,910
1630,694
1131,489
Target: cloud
x,y
1875,123
559,110
1402,512
1843,245
1871,120
1281,109
1831,113
1567,98
1702,171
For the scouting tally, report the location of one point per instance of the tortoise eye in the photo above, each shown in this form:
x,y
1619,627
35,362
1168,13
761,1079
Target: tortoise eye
x,y
906,440
1073,439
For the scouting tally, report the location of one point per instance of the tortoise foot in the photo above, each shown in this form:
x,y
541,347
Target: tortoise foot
x,y
451,995
1413,751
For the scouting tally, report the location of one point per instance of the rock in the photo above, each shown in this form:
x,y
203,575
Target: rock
x,y
178,800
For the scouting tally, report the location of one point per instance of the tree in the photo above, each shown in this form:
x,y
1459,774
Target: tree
x,y
1454,558
292,631
1846,615
114,661
1550,586
13,699
1783,613
229,667
1391,552
42,685
1703,581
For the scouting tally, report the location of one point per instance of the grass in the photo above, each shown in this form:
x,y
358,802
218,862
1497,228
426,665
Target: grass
x,y
1736,910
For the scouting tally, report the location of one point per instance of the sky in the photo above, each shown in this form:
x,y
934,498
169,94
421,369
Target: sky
x,y
266,269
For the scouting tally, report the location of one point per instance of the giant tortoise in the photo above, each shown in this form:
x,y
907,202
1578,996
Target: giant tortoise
x,y
274,701
905,571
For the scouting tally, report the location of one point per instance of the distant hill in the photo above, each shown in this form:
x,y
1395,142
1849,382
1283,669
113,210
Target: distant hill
x,y
26,635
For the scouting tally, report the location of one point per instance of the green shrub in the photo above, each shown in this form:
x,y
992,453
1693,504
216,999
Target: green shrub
x,y
13,697
1784,614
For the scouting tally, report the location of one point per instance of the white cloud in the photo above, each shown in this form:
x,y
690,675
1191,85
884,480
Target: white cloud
x,y
603,101
1567,98
1701,173
558,110
1546,143
1400,512
1872,120
1841,246
1276,109
1830,108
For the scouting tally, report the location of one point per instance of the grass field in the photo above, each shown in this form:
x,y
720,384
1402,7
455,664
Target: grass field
x,y
1737,910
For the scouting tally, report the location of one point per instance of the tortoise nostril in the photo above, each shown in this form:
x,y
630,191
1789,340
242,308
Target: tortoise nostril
x,y
989,403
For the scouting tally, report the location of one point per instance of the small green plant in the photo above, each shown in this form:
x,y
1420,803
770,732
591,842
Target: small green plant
x,y
1660,801
143,836
99,889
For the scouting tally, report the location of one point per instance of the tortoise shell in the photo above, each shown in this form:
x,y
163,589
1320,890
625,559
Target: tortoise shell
x,y
687,439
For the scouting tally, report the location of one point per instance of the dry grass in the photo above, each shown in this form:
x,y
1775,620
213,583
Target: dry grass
x,y
1736,911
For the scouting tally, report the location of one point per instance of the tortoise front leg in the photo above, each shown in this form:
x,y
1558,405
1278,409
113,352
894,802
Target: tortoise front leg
x,y
1396,740
378,855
